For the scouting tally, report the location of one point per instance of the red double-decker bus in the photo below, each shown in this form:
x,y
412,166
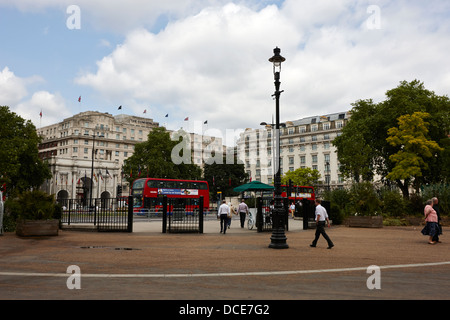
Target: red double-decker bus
x,y
299,193
148,192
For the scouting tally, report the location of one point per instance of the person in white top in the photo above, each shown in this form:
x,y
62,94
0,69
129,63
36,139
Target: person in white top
x,y
224,211
321,218
243,211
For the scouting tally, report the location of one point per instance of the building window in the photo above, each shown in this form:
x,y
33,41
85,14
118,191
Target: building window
x,y
314,158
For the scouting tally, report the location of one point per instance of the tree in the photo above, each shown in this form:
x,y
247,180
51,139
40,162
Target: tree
x,y
224,177
301,177
363,150
20,166
154,159
411,137
356,145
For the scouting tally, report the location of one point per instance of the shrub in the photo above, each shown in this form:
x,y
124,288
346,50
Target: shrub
x,y
393,203
32,205
364,200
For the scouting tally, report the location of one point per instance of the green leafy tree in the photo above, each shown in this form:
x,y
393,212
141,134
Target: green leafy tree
x,y
411,137
224,177
154,158
20,166
363,150
301,177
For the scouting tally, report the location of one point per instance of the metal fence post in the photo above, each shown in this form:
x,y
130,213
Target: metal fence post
x,y
130,214
164,207
259,214
200,215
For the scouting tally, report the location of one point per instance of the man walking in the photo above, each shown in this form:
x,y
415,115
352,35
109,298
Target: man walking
x,y
243,210
224,211
321,218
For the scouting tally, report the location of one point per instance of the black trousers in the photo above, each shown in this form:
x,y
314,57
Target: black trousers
x,y
242,216
223,223
320,230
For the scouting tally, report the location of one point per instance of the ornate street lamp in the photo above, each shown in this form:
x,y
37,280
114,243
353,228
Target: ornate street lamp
x,y
278,238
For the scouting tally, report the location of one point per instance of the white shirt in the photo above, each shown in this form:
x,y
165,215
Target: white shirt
x,y
243,207
223,209
321,212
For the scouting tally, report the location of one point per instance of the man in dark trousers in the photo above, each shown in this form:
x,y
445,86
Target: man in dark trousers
x,y
243,211
321,218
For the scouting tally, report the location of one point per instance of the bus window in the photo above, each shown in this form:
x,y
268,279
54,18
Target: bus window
x,y
152,183
139,184
202,186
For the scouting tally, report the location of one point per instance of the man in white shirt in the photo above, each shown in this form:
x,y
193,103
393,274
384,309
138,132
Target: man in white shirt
x,y
224,211
243,211
321,218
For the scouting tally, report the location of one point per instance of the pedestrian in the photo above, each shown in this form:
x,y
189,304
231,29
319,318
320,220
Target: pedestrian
x,y
321,218
292,209
243,211
431,219
230,214
436,208
223,213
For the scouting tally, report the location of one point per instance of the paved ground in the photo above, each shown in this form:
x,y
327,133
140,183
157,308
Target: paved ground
x,y
239,265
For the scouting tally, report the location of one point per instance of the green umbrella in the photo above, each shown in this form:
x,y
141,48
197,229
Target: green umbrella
x,y
253,186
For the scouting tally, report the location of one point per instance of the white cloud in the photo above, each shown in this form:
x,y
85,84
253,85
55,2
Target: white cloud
x,y
213,65
118,16
210,61
208,66
52,106
12,88
14,93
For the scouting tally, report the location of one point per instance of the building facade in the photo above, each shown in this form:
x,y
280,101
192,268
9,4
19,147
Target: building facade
x,y
304,143
89,149
86,153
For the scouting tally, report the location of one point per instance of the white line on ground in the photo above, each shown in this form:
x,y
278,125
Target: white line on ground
x,y
219,274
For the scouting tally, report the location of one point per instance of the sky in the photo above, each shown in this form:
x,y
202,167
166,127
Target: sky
x,y
207,60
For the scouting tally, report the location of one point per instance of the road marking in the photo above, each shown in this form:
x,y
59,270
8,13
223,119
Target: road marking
x,y
219,274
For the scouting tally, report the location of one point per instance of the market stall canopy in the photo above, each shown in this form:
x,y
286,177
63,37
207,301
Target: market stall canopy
x,y
253,186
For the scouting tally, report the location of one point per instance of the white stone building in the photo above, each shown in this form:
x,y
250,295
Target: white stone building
x,y
304,143
68,147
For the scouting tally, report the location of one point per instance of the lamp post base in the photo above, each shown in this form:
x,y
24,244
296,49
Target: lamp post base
x,y
278,239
